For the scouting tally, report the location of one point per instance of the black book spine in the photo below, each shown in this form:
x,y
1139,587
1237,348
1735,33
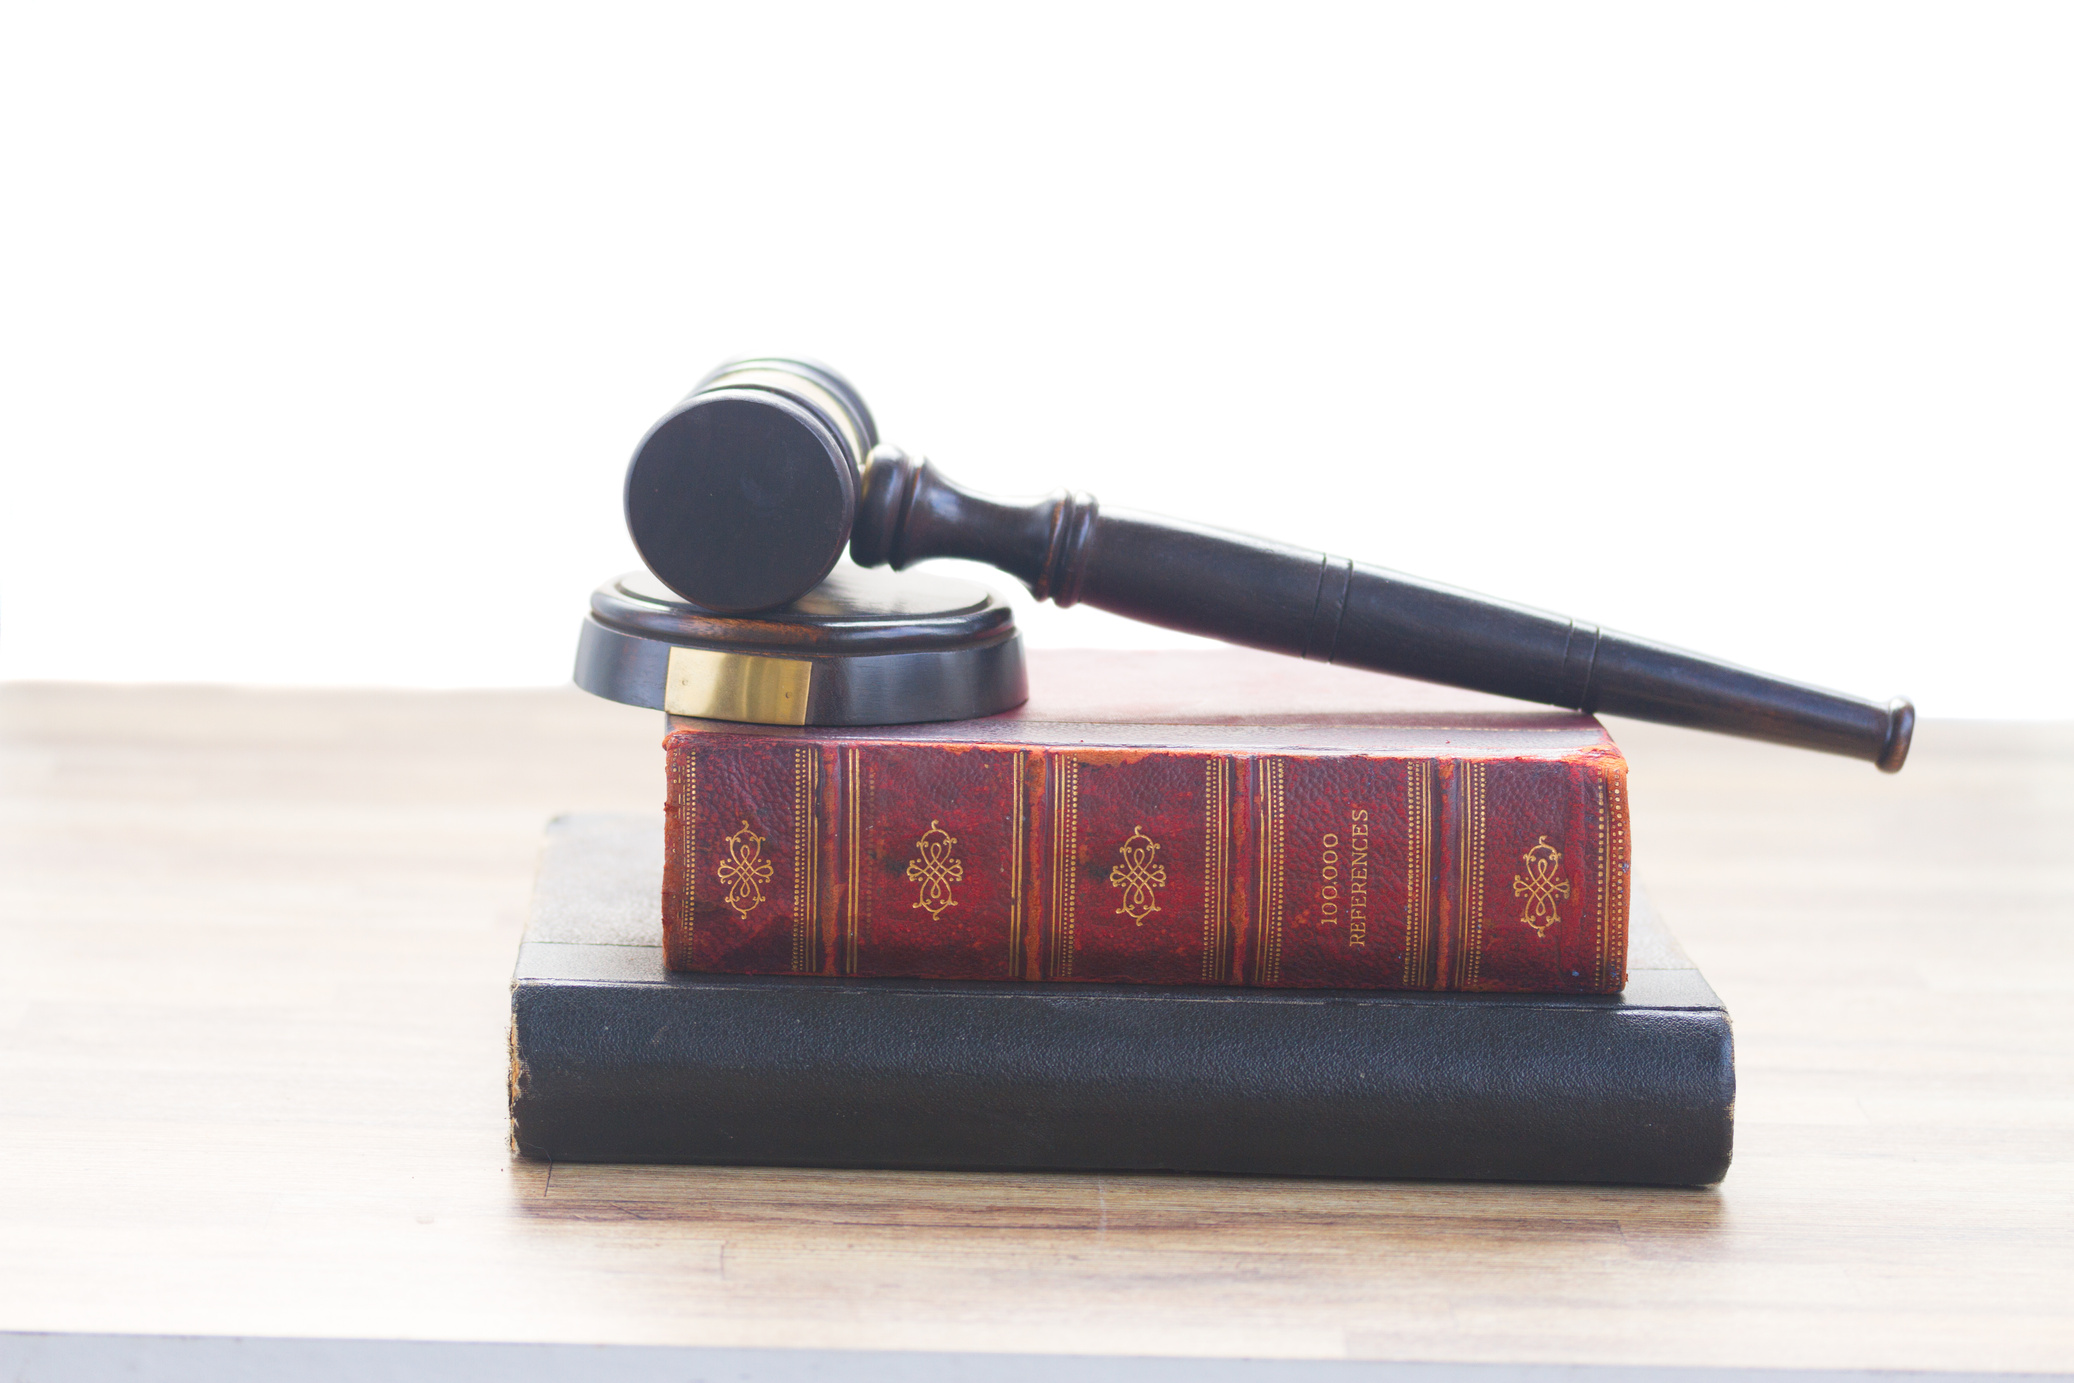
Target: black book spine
x,y
614,1062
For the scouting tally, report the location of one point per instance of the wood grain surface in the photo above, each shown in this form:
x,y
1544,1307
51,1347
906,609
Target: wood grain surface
x,y
253,956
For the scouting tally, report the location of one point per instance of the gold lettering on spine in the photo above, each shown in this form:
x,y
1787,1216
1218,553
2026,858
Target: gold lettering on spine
x,y
1273,779
1418,871
1065,862
1469,956
1328,880
1015,866
853,872
687,794
1357,877
1216,866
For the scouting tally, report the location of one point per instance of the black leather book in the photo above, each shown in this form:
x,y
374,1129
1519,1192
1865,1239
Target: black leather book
x,y
615,1059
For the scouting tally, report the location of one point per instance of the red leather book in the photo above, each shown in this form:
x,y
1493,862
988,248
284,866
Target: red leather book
x,y
1218,818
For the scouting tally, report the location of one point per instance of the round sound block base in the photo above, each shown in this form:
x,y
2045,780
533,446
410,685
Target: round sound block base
x,y
862,648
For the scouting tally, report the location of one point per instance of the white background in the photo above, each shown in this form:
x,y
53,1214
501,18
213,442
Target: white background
x,y
327,330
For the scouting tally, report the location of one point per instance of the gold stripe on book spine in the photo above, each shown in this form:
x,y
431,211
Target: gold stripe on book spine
x,y
1418,872
805,850
1605,891
1273,772
1216,866
1617,919
1016,792
853,873
685,789
1469,955
1065,861
1612,880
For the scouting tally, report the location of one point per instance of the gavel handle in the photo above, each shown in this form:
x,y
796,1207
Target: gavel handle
x,y
1266,595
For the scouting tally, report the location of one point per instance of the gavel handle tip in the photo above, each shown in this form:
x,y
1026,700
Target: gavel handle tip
x,y
1901,728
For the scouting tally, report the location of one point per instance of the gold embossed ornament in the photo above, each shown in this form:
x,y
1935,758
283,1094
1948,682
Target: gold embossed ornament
x,y
1138,876
935,870
744,871
1540,887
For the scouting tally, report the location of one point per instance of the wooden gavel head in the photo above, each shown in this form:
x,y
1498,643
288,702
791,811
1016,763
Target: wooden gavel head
x,y
742,498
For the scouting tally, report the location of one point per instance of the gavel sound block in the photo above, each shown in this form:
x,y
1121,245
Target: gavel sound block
x,y
743,497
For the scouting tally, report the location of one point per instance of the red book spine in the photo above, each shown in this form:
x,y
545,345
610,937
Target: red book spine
x,y
849,856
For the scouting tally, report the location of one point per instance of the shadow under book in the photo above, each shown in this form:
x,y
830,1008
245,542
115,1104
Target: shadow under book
x,y
616,1059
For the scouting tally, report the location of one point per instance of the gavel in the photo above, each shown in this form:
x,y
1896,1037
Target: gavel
x,y
743,497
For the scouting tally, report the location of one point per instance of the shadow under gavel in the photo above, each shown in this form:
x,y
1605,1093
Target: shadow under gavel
x,y
743,498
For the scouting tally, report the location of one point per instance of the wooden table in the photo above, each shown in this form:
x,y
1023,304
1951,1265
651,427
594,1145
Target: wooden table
x,y
253,955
